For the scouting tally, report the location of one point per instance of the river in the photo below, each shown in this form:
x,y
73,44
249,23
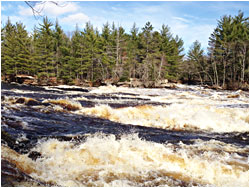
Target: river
x,y
118,136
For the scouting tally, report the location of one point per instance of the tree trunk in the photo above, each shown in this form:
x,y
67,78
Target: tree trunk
x,y
92,63
159,74
103,71
57,59
134,69
200,78
224,73
243,63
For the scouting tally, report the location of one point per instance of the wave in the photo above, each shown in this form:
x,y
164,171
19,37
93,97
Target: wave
x,y
103,160
176,117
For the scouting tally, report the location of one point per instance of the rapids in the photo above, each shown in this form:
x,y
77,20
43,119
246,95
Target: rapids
x,y
117,136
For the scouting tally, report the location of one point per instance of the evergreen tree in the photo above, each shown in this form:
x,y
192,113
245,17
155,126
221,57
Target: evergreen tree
x,y
8,47
108,58
148,55
146,50
229,46
241,44
59,38
117,47
16,49
155,56
166,51
35,56
175,58
133,52
23,50
65,70
76,60
90,52
196,56
45,49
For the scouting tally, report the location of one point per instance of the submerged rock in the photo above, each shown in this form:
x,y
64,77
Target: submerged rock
x,y
10,174
34,155
233,96
20,100
28,101
33,103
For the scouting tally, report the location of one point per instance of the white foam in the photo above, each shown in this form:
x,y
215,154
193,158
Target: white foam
x,y
105,161
176,117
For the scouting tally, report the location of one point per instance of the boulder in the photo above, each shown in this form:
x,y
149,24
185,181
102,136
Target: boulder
x,y
134,82
43,80
108,81
28,101
26,79
161,83
245,86
20,78
149,84
52,81
20,100
123,84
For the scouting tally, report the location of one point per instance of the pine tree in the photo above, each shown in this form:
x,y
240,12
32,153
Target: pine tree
x,y
65,69
196,56
108,58
229,46
23,47
241,43
45,51
118,49
16,46
91,59
8,47
166,51
59,38
145,48
132,52
76,60
155,56
35,56
175,58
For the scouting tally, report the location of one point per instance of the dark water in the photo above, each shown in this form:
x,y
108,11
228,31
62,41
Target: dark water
x,y
24,123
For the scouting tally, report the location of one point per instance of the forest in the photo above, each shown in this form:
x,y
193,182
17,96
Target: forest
x,y
112,54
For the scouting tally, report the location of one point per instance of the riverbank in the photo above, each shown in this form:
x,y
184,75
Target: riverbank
x,y
133,82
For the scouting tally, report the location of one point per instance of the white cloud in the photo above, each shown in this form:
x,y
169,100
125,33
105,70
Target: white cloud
x,y
189,29
191,32
56,10
72,19
178,27
181,19
25,11
191,17
114,8
49,9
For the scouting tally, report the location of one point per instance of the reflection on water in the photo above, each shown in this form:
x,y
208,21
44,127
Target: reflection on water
x,y
116,136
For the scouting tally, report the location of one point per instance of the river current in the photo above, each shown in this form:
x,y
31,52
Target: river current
x,y
118,136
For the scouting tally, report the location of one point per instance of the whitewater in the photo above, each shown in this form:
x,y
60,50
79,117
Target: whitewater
x,y
117,136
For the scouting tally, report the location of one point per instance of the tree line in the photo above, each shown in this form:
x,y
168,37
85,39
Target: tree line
x,y
227,62
145,54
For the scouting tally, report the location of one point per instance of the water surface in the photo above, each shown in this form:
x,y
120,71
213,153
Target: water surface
x,y
117,136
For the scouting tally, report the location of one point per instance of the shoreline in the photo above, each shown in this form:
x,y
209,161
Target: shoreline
x,y
169,85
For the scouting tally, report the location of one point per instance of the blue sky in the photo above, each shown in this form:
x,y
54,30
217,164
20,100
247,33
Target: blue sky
x,y
190,20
